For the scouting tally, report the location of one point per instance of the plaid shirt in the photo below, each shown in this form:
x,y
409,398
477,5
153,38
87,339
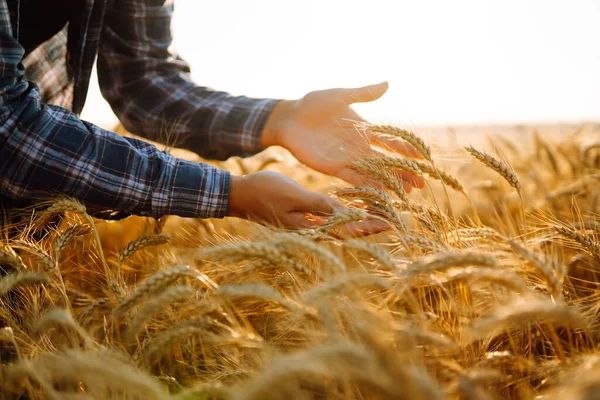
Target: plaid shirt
x,y
45,147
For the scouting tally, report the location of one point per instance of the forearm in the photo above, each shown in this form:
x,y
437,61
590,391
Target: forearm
x,y
150,89
46,149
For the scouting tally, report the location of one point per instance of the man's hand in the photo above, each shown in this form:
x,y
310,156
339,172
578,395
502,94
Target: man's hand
x,y
274,199
319,130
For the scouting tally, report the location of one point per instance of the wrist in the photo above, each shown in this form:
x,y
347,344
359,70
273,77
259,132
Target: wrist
x,y
279,116
235,205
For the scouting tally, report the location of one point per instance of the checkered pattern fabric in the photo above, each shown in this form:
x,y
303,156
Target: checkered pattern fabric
x,y
44,148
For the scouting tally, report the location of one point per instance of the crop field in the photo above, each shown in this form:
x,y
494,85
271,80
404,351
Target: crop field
x,y
486,286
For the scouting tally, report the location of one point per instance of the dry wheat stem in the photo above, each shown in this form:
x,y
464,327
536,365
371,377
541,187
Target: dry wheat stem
x,y
62,318
12,281
160,224
265,251
441,175
67,236
587,243
154,306
141,243
60,206
503,277
347,283
10,258
525,311
371,250
257,291
342,218
403,164
506,172
153,285
48,264
552,271
443,261
415,141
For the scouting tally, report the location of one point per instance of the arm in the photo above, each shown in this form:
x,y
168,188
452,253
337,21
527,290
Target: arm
x,y
46,148
149,87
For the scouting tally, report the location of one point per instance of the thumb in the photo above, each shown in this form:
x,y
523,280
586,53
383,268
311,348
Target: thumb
x,y
317,204
366,93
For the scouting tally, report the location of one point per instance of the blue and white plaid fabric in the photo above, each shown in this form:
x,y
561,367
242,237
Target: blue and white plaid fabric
x,y
46,148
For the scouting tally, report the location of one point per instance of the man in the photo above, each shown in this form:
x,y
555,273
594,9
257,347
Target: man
x,y
46,148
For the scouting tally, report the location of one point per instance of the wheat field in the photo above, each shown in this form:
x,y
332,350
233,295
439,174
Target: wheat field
x,y
484,287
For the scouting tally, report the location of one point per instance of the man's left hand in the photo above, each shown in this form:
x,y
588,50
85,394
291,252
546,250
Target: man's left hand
x,y
320,131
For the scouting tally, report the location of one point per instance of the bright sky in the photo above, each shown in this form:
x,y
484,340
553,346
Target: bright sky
x,y
448,62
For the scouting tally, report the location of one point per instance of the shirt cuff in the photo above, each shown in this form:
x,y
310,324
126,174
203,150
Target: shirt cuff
x,y
190,189
242,127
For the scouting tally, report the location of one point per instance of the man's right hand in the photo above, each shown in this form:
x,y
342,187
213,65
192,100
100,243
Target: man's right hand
x,y
277,200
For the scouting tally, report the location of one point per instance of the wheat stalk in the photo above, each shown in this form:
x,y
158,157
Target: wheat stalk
x,y
10,258
141,243
31,250
160,224
154,284
67,236
552,271
443,176
503,277
199,326
401,163
265,251
501,168
342,218
60,206
443,261
12,281
347,283
154,306
9,346
525,311
365,193
588,244
257,291
415,141
64,319
371,250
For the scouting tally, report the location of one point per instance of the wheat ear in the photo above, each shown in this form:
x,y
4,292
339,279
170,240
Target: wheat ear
x,y
443,176
504,171
64,319
342,218
552,271
443,261
7,340
10,258
588,244
415,141
12,281
371,250
154,284
141,243
154,306
67,237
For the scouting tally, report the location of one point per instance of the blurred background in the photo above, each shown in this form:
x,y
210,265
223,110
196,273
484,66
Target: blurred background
x,y
449,63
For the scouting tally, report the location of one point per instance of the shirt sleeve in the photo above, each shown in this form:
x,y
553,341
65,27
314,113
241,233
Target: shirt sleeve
x,y
48,149
149,87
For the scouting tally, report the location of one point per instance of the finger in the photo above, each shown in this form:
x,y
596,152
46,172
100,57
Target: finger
x,y
364,94
317,204
408,177
358,179
300,220
362,228
395,145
